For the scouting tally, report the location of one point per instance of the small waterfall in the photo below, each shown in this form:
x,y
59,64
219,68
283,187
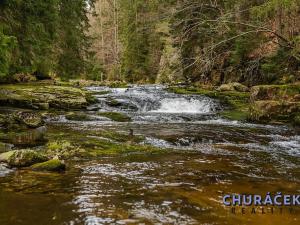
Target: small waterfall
x,y
185,105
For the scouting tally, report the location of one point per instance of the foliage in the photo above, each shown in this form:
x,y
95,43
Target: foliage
x,y
51,37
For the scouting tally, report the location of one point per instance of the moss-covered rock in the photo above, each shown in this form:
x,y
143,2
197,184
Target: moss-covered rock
x,y
30,119
4,147
264,111
54,165
22,158
115,116
233,87
275,102
42,96
275,92
123,104
63,149
78,117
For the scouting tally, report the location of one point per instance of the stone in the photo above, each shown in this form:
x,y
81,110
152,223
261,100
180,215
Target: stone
x,y
53,165
233,87
275,92
78,117
30,119
22,158
41,96
240,87
266,110
226,87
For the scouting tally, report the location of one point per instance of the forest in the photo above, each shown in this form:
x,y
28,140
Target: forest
x,y
136,41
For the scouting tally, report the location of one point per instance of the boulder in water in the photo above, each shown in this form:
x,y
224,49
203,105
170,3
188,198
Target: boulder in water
x,y
121,103
30,119
22,158
115,116
53,165
78,117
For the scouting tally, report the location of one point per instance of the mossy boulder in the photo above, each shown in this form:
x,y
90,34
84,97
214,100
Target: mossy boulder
x,y
264,111
78,117
63,149
22,158
54,165
4,147
42,96
30,119
275,92
233,87
115,116
121,103
274,102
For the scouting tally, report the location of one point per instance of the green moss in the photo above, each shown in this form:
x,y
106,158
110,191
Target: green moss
x,y
235,115
78,117
38,95
115,116
53,165
22,158
297,119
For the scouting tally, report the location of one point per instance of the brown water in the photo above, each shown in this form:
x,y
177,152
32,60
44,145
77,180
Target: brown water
x,y
210,157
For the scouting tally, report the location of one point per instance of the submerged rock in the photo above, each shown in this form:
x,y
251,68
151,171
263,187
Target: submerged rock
x,y
121,103
115,116
22,158
53,165
26,138
79,117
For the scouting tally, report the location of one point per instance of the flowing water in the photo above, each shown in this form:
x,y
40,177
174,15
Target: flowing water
x,y
205,157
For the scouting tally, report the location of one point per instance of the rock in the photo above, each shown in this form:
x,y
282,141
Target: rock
x,y
54,165
240,87
115,116
22,78
264,111
41,96
233,87
275,92
79,117
63,150
121,103
22,158
28,137
5,147
30,119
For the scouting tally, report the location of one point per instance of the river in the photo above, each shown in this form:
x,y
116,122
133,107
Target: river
x,y
206,156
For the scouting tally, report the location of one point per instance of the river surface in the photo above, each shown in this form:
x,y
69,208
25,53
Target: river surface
x,y
206,156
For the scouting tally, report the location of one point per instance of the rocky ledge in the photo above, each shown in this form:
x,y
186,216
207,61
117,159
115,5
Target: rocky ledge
x,y
275,103
43,96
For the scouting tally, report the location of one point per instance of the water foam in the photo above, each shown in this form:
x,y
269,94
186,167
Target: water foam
x,y
184,105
